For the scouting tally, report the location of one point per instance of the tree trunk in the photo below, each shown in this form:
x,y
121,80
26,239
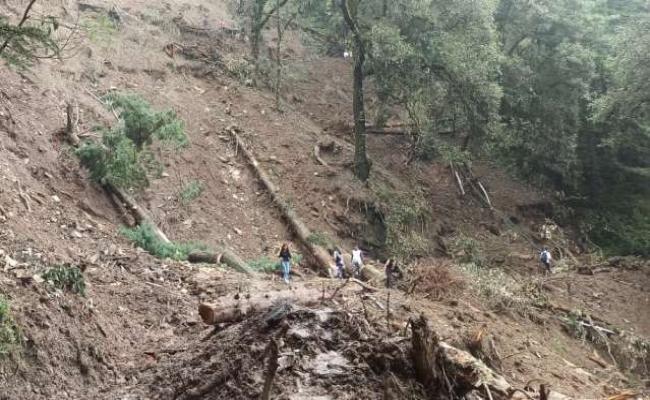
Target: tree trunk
x,y
301,231
224,256
447,372
361,162
234,310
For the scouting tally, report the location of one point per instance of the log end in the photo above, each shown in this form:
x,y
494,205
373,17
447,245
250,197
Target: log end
x,y
207,313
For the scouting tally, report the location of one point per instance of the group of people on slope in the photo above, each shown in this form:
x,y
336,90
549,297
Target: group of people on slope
x,y
390,267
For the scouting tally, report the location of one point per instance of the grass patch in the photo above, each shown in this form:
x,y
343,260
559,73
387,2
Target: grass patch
x,y
469,250
144,237
190,191
66,278
270,265
10,337
320,239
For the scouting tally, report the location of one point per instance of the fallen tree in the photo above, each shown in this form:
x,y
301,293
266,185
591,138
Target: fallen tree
x,y
450,373
235,309
318,253
140,215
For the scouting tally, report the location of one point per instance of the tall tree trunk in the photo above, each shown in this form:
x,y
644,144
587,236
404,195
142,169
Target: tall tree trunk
x,y
361,162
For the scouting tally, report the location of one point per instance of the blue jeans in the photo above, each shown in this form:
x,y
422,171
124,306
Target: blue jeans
x,y
286,269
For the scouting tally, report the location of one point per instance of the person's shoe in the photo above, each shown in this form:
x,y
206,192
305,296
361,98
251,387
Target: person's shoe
x,y
286,280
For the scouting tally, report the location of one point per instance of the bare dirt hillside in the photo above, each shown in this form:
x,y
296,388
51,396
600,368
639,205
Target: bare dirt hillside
x,y
137,334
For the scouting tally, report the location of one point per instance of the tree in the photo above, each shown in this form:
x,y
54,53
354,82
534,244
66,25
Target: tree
x,y
122,158
22,43
349,9
259,17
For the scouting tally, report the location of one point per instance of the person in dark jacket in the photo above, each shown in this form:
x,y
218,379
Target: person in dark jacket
x,y
285,260
392,272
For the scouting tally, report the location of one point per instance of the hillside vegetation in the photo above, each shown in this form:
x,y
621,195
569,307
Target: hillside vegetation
x,y
155,155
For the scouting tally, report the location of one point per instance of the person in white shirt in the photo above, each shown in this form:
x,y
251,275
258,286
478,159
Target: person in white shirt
x,y
357,261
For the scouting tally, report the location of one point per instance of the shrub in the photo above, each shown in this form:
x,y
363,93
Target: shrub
x,y
270,265
470,250
405,218
122,158
66,278
320,239
28,42
144,237
10,336
190,191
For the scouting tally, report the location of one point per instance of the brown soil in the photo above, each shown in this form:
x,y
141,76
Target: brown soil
x,y
136,333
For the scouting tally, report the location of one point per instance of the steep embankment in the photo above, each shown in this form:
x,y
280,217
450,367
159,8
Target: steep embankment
x,y
136,332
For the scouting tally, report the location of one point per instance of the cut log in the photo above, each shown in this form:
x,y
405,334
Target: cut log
x,y
447,372
319,254
225,256
231,310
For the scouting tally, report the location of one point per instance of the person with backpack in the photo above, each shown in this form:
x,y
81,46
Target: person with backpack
x,y
392,272
285,261
340,264
545,258
357,261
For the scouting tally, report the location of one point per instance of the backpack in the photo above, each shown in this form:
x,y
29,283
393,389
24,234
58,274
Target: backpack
x,y
338,259
544,256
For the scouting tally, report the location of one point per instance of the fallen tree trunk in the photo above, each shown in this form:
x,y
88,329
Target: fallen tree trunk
x,y
449,373
141,215
224,256
319,254
236,309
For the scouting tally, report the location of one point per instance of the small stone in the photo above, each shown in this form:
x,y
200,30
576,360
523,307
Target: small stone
x,y
10,262
56,199
77,234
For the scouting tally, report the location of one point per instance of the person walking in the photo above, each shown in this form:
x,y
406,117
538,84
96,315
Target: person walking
x,y
546,259
392,272
357,261
285,261
340,264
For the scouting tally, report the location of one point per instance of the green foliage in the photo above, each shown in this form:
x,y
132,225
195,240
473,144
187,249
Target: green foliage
x,y
405,218
269,265
10,337
265,264
144,237
123,158
65,277
100,29
190,191
469,250
28,42
320,239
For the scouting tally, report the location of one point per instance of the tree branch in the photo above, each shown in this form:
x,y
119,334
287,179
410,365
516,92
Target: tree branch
x,y
20,25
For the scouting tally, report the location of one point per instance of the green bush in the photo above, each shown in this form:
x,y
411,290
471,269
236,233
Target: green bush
x,y
66,278
320,239
10,337
470,250
405,218
270,265
28,42
122,158
144,237
190,191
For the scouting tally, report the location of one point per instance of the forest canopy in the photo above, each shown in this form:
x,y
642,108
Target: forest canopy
x,y
558,91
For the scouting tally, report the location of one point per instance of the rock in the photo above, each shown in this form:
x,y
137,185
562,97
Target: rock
x,y
329,364
10,262
56,199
